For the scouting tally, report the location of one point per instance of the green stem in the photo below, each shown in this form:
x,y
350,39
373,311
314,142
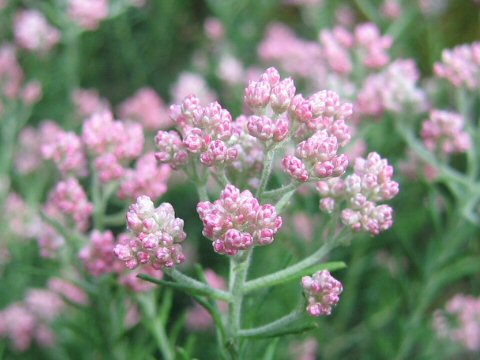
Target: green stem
x,y
446,172
238,269
202,192
464,105
267,169
187,280
277,193
115,219
280,324
280,276
430,286
156,327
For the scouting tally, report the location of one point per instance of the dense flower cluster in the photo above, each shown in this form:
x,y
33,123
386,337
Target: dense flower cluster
x,y
22,222
190,83
461,66
88,13
68,291
336,55
204,130
88,102
28,320
236,221
12,85
147,108
28,157
444,132
460,321
366,41
68,203
157,236
322,291
148,178
97,256
392,89
112,143
296,56
33,32
370,183
66,150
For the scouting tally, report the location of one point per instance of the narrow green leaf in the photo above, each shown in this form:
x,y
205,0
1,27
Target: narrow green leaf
x,y
299,329
174,285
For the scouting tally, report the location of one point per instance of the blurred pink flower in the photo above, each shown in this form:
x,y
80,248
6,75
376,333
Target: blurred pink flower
x,y
88,13
33,32
146,107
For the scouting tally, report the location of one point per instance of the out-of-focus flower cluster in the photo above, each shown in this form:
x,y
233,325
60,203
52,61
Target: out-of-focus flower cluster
x,y
460,321
393,89
444,132
112,143
12,86
33,32
461,66
28,320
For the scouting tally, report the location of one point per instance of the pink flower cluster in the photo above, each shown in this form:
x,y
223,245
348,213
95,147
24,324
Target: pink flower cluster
x,y
294,55
205,130
366,42
11,74
251,152
112,143
269,127
88,102
371,182
322,291
97,256
28,156
157,236
12,85
88,13
68,290
147,108
393,89
236,221
21,221
191,83
33,32
444,132
66,150
69,203
461,66
148,178
29,319
336,51
464,310
323,119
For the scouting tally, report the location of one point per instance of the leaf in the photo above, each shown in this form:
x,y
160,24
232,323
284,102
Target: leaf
x,y
174,285
295,330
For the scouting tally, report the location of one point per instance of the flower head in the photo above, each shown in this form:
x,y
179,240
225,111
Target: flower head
x,y
322,291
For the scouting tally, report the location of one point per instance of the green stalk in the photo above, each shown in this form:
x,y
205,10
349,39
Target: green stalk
x,y
291,271
277,325
156,327
267,169
238,269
